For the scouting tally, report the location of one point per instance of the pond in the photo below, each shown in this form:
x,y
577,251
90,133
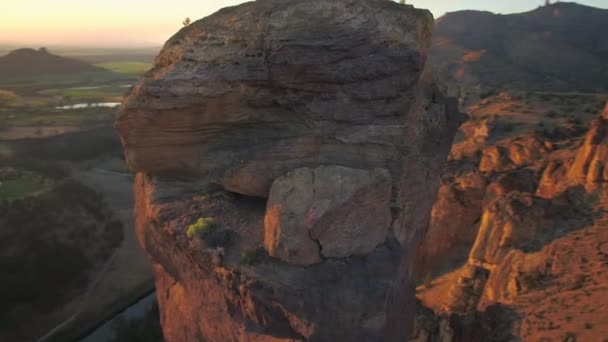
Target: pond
x,y
90,105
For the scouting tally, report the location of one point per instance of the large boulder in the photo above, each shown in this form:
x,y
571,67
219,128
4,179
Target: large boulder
x,y
309,126
328,212
254,91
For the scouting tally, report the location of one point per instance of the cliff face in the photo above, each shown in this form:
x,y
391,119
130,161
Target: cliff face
x,y
312,134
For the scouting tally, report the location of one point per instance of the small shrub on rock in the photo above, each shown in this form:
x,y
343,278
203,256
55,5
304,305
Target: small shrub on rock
x,y
202,228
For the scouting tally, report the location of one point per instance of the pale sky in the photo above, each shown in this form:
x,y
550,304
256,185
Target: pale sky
x,y
152,22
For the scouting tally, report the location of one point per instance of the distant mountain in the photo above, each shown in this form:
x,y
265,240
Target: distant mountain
x,y
561,47
23,63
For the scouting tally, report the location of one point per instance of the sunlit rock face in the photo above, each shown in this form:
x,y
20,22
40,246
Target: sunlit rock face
x,y
512,154
312,132
589,167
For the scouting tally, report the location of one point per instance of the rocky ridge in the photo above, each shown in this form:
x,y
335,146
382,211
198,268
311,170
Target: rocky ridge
x,y
539,218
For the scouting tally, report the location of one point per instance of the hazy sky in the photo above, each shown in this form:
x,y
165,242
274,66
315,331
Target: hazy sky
x,y
151,22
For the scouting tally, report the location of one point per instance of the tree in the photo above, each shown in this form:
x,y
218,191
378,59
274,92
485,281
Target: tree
x,y
402,2
547,2
186,21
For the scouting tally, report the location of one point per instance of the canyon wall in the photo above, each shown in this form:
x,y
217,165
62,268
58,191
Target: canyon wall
x,y
288,156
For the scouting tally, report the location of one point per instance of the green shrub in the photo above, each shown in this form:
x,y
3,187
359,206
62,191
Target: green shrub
x,y
201,228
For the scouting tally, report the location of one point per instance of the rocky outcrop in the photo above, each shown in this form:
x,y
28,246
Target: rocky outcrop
x,y
513,222
513,227
514,153
554,179
260,70
589,166
528,149
470,139
312,133
494,158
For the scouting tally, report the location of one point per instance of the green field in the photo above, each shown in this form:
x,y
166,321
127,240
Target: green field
x,y
105,93
91,77
54,117
18,188
133,68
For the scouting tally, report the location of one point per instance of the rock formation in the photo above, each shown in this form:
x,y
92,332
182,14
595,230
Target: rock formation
x,y
589,166
312,133
516,247
513,153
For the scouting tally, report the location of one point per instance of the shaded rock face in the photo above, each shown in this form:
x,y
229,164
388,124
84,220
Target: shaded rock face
x,y
329,212
313,134
454,221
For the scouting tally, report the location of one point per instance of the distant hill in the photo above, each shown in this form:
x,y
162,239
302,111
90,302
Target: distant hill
x,y
24,63
560,47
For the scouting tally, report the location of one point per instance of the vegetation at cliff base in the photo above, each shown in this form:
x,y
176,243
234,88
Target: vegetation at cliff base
x,y
57,239
18,188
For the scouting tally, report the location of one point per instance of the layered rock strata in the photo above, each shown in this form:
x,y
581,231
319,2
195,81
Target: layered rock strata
x,y
312,133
